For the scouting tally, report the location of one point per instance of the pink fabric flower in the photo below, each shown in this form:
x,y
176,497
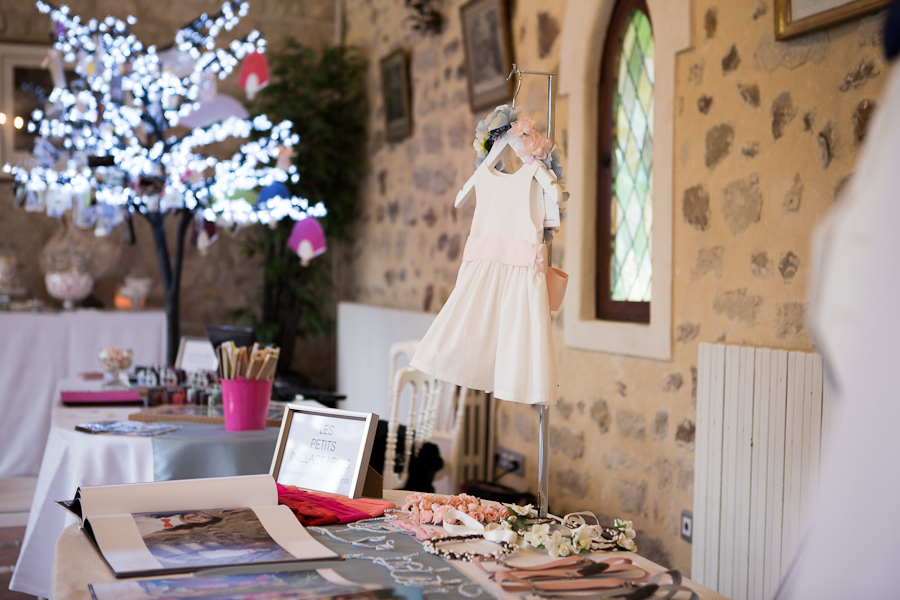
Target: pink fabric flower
x,y
522,127
535,147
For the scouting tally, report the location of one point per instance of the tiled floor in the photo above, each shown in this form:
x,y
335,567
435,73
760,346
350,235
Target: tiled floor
x,y
8,557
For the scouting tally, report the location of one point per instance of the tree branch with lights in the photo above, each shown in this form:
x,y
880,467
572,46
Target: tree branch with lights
x,y
134,134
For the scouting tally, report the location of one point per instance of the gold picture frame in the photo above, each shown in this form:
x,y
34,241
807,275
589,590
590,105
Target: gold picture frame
x,y
397,95
812,15
488,52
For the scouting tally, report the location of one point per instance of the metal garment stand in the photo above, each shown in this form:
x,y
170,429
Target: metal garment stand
x,y
544,435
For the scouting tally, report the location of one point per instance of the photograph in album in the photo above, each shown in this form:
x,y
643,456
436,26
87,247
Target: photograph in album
x,y
284,585
204,538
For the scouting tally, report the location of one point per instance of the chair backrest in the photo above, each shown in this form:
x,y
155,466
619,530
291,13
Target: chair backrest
x,y
398,349
423,404
448,427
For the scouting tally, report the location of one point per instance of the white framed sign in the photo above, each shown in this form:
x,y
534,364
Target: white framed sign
x,y
324,449
196,354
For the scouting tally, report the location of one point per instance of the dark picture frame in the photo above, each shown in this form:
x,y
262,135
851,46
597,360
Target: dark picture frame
x,y
397,97
810,19
488,51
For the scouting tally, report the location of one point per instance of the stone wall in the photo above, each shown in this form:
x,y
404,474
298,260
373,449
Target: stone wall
x,y
221,281
766,134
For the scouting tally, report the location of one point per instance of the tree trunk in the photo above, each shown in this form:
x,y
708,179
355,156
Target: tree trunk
x,y
170,274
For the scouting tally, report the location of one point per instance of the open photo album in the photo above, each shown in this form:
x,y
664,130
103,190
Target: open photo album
x,y
180,526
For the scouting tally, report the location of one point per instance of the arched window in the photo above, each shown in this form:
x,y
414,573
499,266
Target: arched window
x,y
625,152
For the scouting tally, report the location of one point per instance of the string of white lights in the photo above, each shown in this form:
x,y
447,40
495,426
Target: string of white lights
x,y
114,134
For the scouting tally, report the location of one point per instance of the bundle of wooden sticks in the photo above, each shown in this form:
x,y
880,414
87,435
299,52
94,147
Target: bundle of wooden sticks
x,y
258,363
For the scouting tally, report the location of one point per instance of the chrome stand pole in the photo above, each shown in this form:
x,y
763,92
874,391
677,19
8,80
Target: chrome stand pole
x,y
544,434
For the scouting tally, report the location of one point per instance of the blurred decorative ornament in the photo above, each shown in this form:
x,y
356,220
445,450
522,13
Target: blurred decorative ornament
x,y
53,63
425,16
203,234
285,156
218,109
274,190
307,239
208,87
254,74
177,61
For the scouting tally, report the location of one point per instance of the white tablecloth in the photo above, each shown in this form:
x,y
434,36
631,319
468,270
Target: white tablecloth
x,y
68,465
39,349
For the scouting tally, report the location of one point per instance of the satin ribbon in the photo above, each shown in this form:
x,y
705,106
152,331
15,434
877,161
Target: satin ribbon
x,y
492,532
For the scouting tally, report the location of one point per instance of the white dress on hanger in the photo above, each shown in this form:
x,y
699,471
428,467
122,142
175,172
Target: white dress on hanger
x,y
493,334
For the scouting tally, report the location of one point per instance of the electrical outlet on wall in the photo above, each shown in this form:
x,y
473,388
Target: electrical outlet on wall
x,y
687,526
507,460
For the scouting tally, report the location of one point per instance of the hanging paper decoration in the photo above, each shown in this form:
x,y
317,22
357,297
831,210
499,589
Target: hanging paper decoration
x,y
254,74
272,192
203,234
307,240
220,108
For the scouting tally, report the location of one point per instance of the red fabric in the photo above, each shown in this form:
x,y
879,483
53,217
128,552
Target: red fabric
x,y
340,509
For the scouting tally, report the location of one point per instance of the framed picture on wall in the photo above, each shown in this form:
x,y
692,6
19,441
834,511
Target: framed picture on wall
x,y
797,17
397,103
488,53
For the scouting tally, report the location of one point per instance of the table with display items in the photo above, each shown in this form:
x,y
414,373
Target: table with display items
x,y
77,563
73,459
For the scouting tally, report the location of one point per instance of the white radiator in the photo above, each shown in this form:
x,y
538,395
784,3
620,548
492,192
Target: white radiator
x,y
762,416
364,338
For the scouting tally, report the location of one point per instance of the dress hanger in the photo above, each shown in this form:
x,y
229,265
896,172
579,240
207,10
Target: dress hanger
x,y
542,175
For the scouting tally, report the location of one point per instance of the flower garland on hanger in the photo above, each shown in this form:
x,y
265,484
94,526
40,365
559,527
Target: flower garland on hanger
x,y
527,142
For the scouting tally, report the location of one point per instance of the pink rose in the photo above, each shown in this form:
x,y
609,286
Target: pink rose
x,y
439,513
503,512
522,127
444,500
477,516
473,508
536,147
490,514
414,513
426,516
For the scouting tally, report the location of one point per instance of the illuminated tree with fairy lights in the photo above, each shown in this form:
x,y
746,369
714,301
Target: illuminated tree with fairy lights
x,y
116,137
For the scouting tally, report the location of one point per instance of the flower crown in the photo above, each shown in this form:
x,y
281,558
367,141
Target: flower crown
x,y
527,142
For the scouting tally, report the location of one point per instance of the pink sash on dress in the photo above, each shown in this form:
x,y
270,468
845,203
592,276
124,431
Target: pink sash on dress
x,y
517,252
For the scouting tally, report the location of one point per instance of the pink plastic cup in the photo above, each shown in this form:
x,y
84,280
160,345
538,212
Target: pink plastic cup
x,y
246,403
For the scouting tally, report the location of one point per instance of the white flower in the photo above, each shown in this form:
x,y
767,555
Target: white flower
x,y
560,545
521,511
581,540
538,536
627,544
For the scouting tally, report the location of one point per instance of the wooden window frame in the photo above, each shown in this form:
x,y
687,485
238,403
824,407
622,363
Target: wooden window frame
x,y
606,308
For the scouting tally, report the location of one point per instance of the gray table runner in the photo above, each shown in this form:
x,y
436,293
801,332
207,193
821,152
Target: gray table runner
x,y
387,558
196,451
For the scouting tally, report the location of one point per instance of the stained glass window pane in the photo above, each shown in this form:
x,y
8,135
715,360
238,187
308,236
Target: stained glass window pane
x,y
632,163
